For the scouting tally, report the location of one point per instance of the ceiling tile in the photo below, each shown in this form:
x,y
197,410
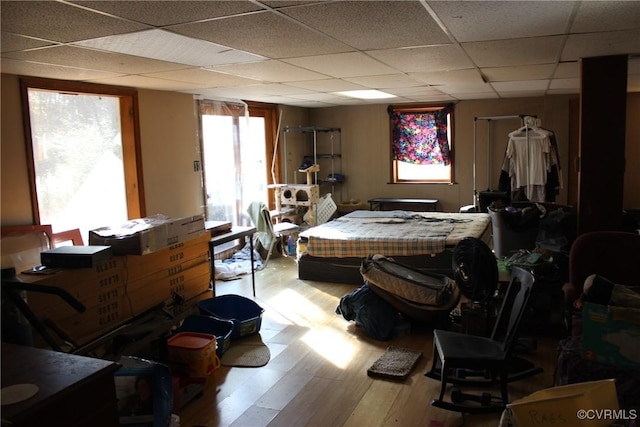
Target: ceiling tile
x,y
367,25
416,91
595,16
272,71
521,72
203,77
456,88
327,85
11,42
350,64
11,66
266,34
306,50
519,86
384,81
522,94
476,95
61,22
162,13
87,58
166,46
448,77
424,59
567,70
496,20
145,82
572,84
527,51
601,44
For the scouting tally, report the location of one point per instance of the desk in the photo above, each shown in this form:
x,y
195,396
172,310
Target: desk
x,y
236,232
73,390
427,205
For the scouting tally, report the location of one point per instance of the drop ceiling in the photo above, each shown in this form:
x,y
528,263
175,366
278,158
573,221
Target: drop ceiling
x,y
307,53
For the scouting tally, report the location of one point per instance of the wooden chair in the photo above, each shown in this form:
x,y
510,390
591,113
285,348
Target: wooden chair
x,y
481,361
64,237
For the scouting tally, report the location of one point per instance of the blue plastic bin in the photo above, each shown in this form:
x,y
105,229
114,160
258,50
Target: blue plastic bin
x,y
245,314
221,328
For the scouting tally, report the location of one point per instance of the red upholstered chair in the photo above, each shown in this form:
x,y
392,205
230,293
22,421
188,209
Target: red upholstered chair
x,y
611,254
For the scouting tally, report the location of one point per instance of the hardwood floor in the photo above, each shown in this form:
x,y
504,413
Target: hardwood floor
x,y
317,374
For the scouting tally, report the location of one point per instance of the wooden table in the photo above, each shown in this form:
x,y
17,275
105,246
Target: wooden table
x,y
381,203
72,390
237,232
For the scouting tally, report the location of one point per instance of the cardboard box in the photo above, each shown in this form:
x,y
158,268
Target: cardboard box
x,y
564,405
76,256
136,297
192,251
610,335
146,235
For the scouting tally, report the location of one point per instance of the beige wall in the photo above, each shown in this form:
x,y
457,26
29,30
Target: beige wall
x,y
365,134
168,131
366,147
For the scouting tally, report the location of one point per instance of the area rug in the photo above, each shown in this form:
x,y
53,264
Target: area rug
x,y
249,352
395,363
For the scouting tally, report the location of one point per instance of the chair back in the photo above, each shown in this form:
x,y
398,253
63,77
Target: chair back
x,y
261,218
611,254
513,308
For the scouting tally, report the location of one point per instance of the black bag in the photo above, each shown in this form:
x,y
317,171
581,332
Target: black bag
x,y
374,314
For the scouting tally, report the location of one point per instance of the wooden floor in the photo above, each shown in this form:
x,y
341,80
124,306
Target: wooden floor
x,y
317,374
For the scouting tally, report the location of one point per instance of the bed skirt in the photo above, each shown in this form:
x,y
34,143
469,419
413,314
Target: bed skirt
x,y
347,270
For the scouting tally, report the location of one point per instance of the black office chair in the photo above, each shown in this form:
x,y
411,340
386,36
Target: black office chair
x,y
462,359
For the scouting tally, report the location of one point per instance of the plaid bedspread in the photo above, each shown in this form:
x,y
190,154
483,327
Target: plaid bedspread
x,y
392,233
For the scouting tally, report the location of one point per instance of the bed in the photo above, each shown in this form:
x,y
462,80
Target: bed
x,y
333,251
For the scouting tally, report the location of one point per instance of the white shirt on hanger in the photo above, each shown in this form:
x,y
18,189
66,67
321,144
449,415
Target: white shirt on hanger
x,y
528,152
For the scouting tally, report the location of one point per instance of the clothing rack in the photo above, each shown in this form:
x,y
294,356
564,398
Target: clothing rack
x,y
488,119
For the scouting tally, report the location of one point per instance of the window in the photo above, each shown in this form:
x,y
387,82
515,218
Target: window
x,y
421,144
83,152
237,152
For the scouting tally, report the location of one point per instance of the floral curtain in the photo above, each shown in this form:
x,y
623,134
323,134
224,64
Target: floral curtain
x,y
420,137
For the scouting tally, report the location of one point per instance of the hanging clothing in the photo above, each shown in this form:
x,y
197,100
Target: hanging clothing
x,y
527,162
554,177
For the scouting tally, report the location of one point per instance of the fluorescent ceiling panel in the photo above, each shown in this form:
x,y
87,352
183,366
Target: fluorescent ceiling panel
x,y
366,94
166,46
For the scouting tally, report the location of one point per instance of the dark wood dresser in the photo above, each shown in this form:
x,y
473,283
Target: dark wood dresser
x,y
74,391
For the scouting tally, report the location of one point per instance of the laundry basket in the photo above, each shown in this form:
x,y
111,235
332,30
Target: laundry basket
x,y
324,210
245,314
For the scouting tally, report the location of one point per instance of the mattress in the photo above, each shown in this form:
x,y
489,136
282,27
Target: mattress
x,y
333,251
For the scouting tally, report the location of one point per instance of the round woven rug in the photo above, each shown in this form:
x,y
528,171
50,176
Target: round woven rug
x,y
246,355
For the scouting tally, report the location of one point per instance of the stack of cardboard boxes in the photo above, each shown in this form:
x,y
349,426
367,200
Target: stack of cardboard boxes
x,y
158,263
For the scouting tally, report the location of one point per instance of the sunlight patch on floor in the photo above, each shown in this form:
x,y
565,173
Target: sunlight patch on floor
x,y
299,309
332,345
